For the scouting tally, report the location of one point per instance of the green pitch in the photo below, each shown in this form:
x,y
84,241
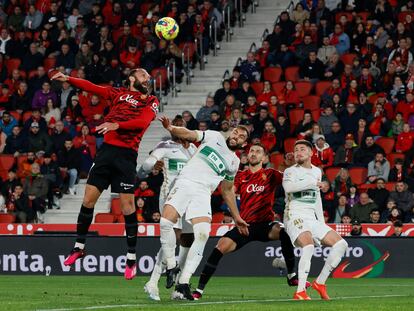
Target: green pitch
x,y
223,293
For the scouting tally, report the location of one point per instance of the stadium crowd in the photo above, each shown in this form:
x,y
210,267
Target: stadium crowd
x,y
340,74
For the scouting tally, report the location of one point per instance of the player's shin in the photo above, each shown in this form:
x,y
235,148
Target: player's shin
x,y
334,258
131,229
209,269
85,218
304,266
158,267
195,254
168,242
287,251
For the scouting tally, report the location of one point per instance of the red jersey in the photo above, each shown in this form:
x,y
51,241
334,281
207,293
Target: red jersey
x,y
257,191
133,111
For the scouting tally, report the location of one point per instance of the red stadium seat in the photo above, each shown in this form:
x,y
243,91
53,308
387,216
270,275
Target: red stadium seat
x,y
6,161
316,114
32,74
160,76
7,218
402,15
276,159
373,99
387,143
26,116
217,218
11,64
331,173
278,87
49,63
366,187
188,48
393,156
16,115
348,15
364,16
289,144
296,115
358,175
292,73
311,102
390,186
116,206
348,58
321,87
272,74
303,88
105,218
257,87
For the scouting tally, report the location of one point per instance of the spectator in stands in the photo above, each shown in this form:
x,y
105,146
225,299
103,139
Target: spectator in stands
x,y
268,138
366,152
362,210
282,57
32,59
84,56
346,219
326,51
191,123
51,173
7,123
36,188
16,143
326,119
402,197
349,118
378,168
37,140
328,197
225,128
41,96
312,69
356,229
345,154
204,113
341,209
6,42
69,159
362,132
305,125
409,217
379,195
398,173
375,216
52,113
287,25
401,57
398,229
250,68
340,40
299,14
66,58
86,144
259,121
36,83
304,49
15,21
131,57
155,218
222,93
342,183
22,210
323,155
20,100
405,139
276,38
59,137
215,121
395,215
33,19
336,138
387,211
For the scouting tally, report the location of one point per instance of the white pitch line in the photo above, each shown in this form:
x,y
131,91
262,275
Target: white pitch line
x,y
183,304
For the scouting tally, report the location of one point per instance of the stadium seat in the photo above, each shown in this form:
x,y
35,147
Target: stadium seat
x,y
296,115
188,48
49,63
348,15
393,156
32,74
364,15
6,161
292,73
289,144
74,73
402,15
217,218
272,74
12,63
390,186
331,173
160,76
348,58
387,143
276,159
16,115
372,99
366,187
23,74
257,87
278,87
7,218
316,114
116,206
321,87
120,219
311,102
303,88
106,218
358,175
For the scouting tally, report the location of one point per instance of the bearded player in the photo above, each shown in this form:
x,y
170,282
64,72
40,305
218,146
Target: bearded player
x,y
130,113
171,156
215,161
304,221
256,187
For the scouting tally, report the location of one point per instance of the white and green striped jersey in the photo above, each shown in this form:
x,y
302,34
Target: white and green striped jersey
x,y
175,156
212,163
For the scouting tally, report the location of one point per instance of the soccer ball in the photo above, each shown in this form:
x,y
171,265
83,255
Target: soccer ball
x,y
166,28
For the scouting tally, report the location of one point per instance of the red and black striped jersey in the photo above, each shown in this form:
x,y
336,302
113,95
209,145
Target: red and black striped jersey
x,y
133,111
257,191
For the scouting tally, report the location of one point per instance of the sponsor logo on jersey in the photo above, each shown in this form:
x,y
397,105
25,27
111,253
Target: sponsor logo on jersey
x,y
129,99
254,188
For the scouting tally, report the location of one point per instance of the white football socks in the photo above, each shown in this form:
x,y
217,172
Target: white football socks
x,y
304,266
333,260
168,242
195,254
158,268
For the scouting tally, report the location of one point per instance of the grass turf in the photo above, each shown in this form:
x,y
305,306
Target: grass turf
x,y
222,293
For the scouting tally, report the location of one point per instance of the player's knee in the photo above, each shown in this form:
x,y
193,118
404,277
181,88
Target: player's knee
x,y
202,231
341,245
88,202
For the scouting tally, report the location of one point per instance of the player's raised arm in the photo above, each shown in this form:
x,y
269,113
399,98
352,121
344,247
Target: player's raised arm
x,y
292,184
227,192
104,92
178,131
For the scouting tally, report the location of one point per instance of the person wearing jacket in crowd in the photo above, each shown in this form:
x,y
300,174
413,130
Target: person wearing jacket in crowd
x,y
37,140
69,159
344,155
36,187
367,151
378,168
204,113
16,143
323,155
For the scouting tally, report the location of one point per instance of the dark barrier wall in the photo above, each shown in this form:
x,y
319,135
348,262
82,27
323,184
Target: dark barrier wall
x,y
366,257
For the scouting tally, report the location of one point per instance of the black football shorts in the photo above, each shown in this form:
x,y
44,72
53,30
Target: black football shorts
x,y
115,166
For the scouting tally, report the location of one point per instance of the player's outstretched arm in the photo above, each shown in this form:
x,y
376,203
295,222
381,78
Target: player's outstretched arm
x,y
178,131
291,184
85,85
227,192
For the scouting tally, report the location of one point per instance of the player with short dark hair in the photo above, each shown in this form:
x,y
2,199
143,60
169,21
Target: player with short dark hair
x,y
256,187
130,113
